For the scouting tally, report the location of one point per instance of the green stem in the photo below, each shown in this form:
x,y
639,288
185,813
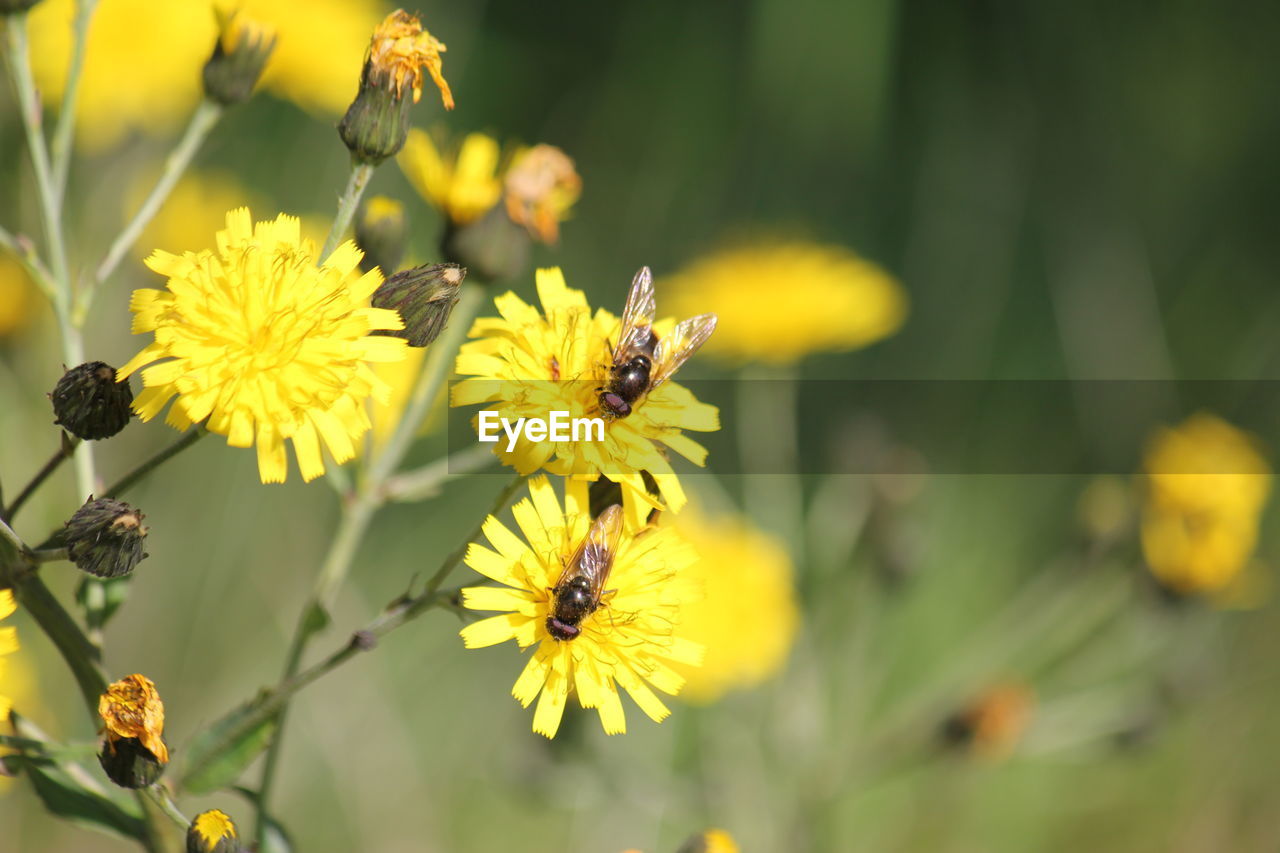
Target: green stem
x,y
131,479
767,401
21,248
159,795
82,657
202,122
426,482
51,212
65,128
356,183
369,497
67,446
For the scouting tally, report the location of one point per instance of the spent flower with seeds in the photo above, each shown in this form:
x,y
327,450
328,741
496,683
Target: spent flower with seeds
x,y
527,363
263,345
628,639
90,403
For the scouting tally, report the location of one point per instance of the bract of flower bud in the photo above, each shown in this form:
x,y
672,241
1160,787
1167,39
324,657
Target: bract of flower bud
x,y
134,753
381,233
105,538
424,297
90,404
239,56
212,832
492,247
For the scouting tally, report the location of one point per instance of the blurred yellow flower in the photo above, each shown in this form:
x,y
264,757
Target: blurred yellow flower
x,y
131,708
1207,483
8,645
265,344
541,186
528,364
196,208
629,640
400,377
18,296
779,302
748,617
461,184
142,66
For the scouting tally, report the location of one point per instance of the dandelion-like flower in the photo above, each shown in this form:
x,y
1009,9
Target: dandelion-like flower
x,y
263,345
541,186
1207,485
8,644
401,48
462,184
747,576
528,364
779,302
629,640
131,709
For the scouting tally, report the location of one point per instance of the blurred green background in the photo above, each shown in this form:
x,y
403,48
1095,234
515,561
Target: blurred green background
x,y
1081,191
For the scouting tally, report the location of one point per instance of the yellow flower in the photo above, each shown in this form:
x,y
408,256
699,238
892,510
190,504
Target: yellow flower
x,y
629,641
748,618
196,208
152,83
8,645
462,185
400,377
778,302
212,832
131,708
527,364
541,187
18,296
400,49
264,343
1207,483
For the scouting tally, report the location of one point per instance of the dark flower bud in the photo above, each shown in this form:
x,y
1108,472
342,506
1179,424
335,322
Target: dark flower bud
x,y
381,233
90,403
424,297
241,52
130,764
104,538
212,832
492,247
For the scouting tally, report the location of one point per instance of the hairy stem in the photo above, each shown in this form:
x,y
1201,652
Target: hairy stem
x,y
360,175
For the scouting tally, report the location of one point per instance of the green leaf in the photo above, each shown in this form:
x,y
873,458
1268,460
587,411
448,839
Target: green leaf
x,y
64,797
219,754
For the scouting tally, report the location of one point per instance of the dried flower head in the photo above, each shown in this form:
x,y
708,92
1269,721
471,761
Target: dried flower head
x,y
134,754
264,345
629,640
541,186
400,50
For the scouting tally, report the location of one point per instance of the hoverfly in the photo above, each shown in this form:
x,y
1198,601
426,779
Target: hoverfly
x,y
642,362
578,591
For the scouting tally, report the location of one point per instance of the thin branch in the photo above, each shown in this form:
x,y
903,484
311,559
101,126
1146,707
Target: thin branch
x,y
67,446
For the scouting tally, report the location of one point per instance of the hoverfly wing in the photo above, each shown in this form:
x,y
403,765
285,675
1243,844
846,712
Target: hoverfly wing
x,y
593,558
675,348
637,317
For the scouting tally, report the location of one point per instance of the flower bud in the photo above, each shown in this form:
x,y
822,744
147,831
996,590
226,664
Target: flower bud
x,y
381,232
212,832
90,403
104,538
424,296
492,247
376,123
134,753
241,52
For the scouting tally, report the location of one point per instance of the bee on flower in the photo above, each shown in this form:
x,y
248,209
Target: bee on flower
x,y
597,600
527,363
